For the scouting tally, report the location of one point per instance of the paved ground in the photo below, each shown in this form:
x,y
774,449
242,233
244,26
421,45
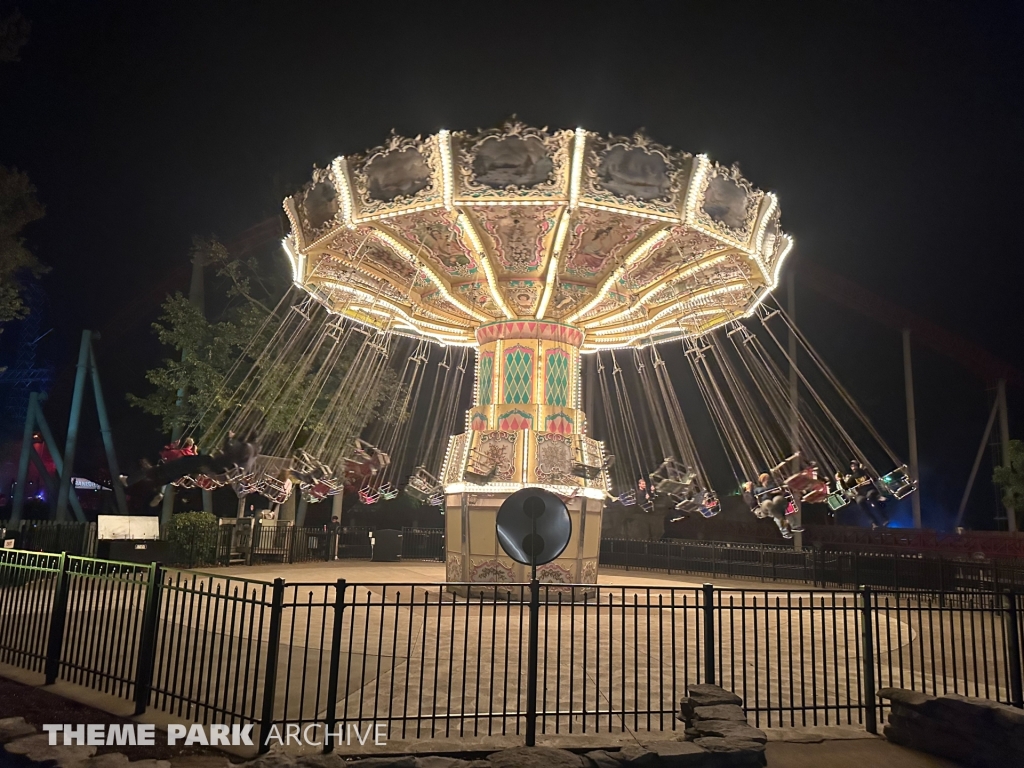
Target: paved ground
x,y
436,665
849,754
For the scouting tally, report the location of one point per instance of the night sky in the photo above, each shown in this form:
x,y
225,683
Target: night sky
x,y
891,133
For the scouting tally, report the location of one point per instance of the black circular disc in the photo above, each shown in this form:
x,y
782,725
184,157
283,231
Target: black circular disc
x,y
533,526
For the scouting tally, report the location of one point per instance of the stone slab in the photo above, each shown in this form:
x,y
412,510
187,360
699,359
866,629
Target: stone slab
x,y
12,728
37,748
707,695
730,729
536,757
720,712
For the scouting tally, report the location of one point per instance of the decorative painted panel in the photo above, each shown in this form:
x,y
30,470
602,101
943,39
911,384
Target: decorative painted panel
x,y
499,450
560,422
485,382
556,377
515,419
554,457
518,374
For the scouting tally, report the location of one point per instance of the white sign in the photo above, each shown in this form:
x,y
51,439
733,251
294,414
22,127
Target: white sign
x,y
137,527
8,543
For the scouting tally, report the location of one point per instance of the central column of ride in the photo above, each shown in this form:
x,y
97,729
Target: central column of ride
x,y
525,429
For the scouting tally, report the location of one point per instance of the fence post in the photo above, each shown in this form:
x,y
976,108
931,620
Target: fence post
x,y
58,617
709,634
270,676
147,643
332,684
1012,630
531,670
868,661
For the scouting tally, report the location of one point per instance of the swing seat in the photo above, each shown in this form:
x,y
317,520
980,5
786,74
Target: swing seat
x,y
436,500
206,483
802,480
673,486
816,493
321,490
585,471
276,490
480,478
710,510
416,494
627,499
388,491
837,500
898,483
687,506
421,485
369,496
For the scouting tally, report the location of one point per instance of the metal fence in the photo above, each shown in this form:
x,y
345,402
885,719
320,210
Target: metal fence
x,y
52,536
429,663
821,568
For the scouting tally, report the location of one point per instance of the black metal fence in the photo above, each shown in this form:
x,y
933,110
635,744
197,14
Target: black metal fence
x,y
428,663
52,536
821,568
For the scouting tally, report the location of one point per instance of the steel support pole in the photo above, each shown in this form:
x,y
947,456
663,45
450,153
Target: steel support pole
x,y
708,609
794,401
977,464
531,661
107,434
908,383
868,659
1004,446
58,462
75,418
26,451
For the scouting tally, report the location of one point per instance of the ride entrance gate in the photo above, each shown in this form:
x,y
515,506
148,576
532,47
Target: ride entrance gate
x,y
430,664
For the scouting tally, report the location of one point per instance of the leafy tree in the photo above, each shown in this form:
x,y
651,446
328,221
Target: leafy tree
x,y
215,354
18,204
1010,477
18,208
14,29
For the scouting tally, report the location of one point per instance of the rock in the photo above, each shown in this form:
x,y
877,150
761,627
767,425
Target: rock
x,y
320,761
737,752
691,733
903,696
275,758
403,761
637,757
436,761
12,728
38,749
720,712
199,761
1008,717
109,760
677,754
730,729
150,764
535,757
602,759
705,695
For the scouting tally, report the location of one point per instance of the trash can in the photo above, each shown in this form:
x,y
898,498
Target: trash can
x,y
386,546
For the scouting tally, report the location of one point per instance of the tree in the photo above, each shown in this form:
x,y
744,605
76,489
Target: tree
x,y
14,29
18,208
1010,477
214,354
18,204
